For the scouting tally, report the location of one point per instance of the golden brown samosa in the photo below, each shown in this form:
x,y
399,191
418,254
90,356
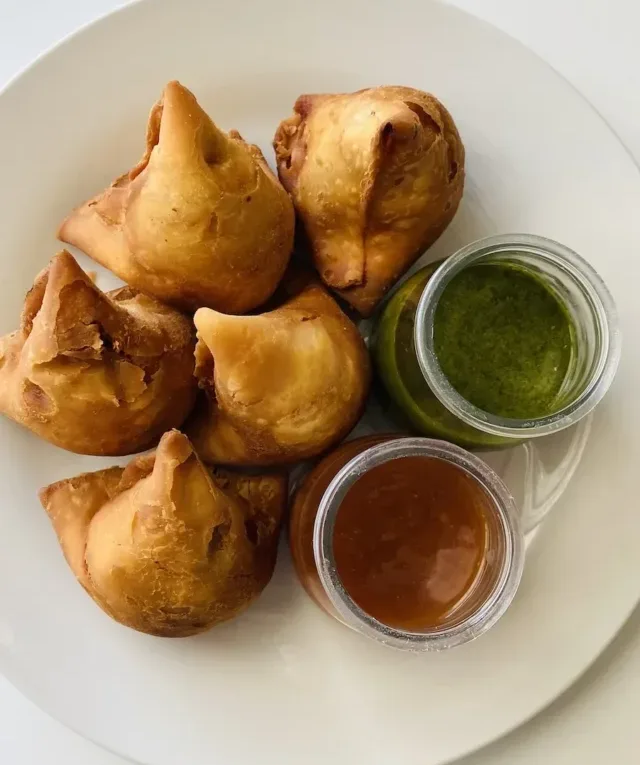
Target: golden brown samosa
x,y
200,221
164,546
96,373
282,386
376,176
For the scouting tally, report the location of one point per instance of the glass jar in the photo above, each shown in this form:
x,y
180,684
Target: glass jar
x,y
313,516
407,363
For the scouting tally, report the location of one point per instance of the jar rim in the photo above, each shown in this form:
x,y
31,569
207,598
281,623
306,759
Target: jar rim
x,y
583,276
511,565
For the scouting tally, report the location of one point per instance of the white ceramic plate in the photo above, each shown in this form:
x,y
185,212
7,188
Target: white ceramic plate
x,y
284,684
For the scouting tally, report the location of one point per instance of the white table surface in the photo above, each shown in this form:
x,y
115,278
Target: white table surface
x,y
594,43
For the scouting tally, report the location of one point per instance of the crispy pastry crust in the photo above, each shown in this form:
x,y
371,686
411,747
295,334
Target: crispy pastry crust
x,y
200,221
96,373
376,176
163,545
282,386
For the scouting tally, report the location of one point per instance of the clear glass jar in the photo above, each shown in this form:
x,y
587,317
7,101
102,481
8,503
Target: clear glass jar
x,y
313,516
587,301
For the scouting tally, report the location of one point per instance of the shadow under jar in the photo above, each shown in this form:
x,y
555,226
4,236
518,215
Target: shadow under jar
x,y
410,541
510,338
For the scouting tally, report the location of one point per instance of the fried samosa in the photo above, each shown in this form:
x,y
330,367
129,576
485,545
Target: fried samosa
x,y
200,221
96,373
282,386
164,546
376,176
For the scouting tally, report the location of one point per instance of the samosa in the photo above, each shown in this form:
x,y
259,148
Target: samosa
x,y
163,545
200,221
96,373
282,386
376,176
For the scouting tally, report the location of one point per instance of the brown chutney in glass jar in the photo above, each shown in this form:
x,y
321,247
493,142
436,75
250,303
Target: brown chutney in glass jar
x,y
411,541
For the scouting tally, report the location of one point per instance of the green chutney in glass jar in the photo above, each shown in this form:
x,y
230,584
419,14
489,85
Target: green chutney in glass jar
x,y
501,337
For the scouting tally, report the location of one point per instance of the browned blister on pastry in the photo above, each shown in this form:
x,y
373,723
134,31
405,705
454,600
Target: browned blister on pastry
x,y
376,176
282,386
200,221
164,546
96,373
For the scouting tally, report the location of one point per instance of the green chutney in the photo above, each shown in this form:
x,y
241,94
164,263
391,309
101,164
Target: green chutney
x,y
503,340
411,400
